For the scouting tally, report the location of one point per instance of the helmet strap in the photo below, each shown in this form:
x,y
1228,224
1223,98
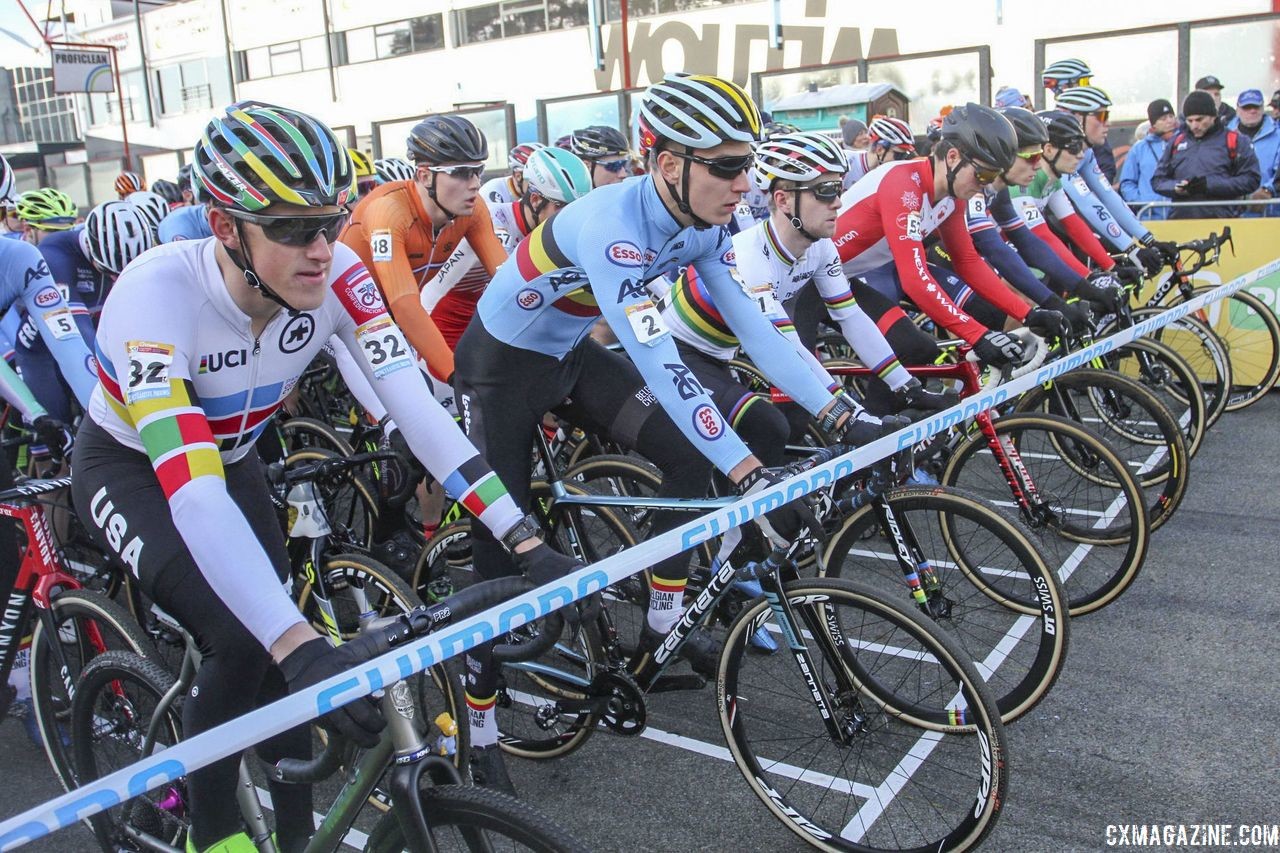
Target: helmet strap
x,y
240,257
951,174
431,194
531,212
679,197
1053,162
798,223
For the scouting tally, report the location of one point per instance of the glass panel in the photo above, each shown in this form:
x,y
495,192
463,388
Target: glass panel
x,y
170,85
1242,56
157,166
71,180
929,84
258,62
392,136
194,74
1133,70
566,13
313,53
286,58
102,182
529,16
219,85
796,96
480,23
428,32
392,39
567,116
360,45
27,179
493,124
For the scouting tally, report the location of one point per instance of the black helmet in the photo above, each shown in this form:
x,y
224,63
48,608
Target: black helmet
x,y
776,128
167,190
981,133
598,140
1061,126
1029,128
447,139
184,177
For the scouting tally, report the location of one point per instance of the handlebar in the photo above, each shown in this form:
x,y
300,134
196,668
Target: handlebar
x,y
280,476
1207,251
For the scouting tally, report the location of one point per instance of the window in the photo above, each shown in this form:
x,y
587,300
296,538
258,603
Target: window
x,y
287,57
643,8
518,17
395,38
479,24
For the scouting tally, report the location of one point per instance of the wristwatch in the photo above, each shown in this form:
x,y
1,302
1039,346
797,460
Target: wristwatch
x,y
525,529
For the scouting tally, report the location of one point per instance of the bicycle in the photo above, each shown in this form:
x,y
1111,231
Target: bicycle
x,y
68,625
861,675
126,707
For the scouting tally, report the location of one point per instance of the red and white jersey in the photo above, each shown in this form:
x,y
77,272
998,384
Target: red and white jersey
x,y
886,216
497,191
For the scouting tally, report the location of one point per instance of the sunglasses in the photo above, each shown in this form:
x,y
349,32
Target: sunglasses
x,y
1075,146
1032,157
1101,115
1051,83
462,173
613,166
724,168
904,153
825,191
984,174
295,230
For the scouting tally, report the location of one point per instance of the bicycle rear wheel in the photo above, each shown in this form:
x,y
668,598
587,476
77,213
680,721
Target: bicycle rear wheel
x,y
85,624
1251,332
476,819
1192,339
1134,424
887,783
117,696
989,586
1168,376
1086,512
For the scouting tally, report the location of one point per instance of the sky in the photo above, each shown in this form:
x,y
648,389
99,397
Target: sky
x,y
16,31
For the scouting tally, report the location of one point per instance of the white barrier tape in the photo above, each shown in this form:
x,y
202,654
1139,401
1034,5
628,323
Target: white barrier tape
x,y
238,734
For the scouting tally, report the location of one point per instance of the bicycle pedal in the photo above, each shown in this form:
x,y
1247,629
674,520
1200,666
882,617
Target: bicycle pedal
x,y
682,681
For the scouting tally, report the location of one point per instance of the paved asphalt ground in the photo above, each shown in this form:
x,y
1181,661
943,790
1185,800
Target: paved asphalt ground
x,y
1165,712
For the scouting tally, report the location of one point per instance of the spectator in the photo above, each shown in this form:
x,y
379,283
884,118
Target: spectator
x,y
854,134
1213,86
1144,156
1263,130
1199,164
1274,106
1011,97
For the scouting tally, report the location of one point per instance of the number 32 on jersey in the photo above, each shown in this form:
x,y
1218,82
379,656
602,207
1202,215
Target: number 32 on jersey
x,y
383,346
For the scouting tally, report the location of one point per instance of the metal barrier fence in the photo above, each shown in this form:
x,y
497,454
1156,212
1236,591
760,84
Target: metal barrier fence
x,y
315,701
1147,206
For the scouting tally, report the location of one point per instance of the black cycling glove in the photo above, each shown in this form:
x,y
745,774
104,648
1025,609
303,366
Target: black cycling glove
x,y
1046,322
783,525
999,349
913,395
54,435
316,660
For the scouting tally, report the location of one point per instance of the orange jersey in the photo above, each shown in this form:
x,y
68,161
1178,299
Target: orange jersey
x,y
392,233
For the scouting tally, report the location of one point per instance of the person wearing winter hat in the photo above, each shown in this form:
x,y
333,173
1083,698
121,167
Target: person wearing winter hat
x,y
1213,86
1144,156
1264,131
1206,162
854,134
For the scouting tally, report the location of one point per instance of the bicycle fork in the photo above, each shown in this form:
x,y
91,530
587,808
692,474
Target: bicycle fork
x,y
922,579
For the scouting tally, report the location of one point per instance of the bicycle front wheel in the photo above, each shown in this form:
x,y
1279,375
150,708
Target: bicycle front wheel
x,y
85,625
979,576
1168,376
1251,332
1192,339
1086,512
461,818
872,778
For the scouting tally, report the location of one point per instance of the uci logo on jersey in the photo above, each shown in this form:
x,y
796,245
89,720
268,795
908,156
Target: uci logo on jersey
x,y
624,254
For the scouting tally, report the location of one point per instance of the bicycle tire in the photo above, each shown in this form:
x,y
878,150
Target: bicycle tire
x,y
993,580
1168,376
52,690
306,433
864,642
438,688
1192,339
1255,364
475,811
1093,565
1133,422
117,697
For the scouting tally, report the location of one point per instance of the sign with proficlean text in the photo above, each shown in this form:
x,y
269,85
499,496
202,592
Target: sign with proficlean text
x,y
82,71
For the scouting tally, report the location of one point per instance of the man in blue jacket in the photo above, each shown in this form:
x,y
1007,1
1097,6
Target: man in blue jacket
x,y
1144,156
1262,129
1206,162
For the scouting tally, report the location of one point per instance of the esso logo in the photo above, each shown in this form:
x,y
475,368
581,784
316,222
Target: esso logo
x,y
1113,229
624,254
47,297
729,258
707,422
529,299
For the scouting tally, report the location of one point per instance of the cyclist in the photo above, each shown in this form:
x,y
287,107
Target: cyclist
x,y
169,191
505,190
166,455
529,350
891,139
884,221
366,176
1065,73
184,184
393,169
129,182
1106,213
44,211
754,206
407,230
10,224
151,205
605,150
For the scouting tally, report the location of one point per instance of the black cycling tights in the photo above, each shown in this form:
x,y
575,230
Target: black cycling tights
x,y
114,485
503,392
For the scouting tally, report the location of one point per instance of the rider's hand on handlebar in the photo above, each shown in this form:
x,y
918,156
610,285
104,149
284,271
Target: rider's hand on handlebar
x,y
1046,322
1078,314
783,525
1151,258
999,349
543,564
54,435
1104,291
313,662
913,395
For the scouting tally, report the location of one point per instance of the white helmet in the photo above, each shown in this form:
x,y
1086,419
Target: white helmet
x,y
1064,73
116,232
893,131
1082,99
6,182
391,169
697,110
797,157
152,205
557,174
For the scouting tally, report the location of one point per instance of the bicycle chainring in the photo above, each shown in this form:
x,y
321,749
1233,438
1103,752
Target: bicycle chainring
x,y
624,711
